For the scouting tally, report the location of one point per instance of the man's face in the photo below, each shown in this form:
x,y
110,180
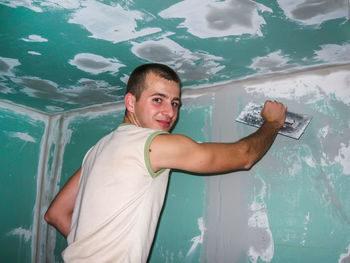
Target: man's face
x,y
159,103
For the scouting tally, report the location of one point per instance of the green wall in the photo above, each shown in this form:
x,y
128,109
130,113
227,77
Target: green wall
x,y
21,136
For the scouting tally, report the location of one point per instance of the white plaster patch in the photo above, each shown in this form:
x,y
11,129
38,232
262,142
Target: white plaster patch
x,y
124,78
307,88
54,108
261,239
212,18
323,132
34,53
333,53
37,5
344,157
312,12
95,64
275,61
259,220
6,90
23,136
189,65
21,233
111,23
306,227
35,38
197,239
345,257
309,161
59,4
21,3
7,65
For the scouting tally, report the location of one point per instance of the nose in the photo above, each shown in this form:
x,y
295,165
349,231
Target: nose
x,y
168,110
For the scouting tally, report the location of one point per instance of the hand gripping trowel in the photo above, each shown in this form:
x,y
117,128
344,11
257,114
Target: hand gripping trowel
x,y
293,127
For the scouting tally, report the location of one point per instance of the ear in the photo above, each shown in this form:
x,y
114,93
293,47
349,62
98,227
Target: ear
x,y
130,101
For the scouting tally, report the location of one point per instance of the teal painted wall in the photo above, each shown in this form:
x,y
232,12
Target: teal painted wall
x,y
21,137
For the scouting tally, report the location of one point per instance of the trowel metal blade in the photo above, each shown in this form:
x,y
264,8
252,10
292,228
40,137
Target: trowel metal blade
x,y
293,127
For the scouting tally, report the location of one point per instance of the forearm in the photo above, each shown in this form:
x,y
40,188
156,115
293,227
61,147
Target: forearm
x,y
59,214
258,143
60,222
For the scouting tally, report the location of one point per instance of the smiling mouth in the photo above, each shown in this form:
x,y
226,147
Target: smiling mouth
x,y
165,124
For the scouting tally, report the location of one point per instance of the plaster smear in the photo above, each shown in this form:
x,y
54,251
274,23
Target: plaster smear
x,y
344,157
34,53
189,65
333,53
54,108
7,65
274,61
100,91
23,136
260,236
111,23
37,6
312,12
345,258
21,3
261,240
34,38
213,18
197,239
6,90
307,87
95,64
21,233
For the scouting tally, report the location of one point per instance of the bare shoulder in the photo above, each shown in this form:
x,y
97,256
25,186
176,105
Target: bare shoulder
x,y
171,140
168,150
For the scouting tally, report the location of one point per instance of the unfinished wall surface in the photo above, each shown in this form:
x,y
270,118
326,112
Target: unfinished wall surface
x,y
293,206
22,137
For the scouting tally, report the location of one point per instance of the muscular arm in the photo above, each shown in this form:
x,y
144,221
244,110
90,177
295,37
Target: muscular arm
x,y
181,152
59,214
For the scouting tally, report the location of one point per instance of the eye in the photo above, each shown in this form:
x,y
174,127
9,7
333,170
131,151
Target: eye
x,y
157,100
175,104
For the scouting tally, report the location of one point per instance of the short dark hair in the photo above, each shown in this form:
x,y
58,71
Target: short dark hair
x,y
136,83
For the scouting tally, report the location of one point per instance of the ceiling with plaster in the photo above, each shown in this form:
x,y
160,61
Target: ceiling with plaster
x,y
60,55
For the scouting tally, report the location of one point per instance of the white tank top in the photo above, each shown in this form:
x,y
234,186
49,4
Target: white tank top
x,y
119,200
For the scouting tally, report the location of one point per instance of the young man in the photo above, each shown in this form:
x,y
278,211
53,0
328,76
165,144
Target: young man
x,y
118,193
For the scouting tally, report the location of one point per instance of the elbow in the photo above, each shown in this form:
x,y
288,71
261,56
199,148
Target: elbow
x,y
249,156
47,217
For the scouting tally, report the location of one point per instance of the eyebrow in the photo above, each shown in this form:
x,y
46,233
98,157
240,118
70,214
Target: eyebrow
x,y
164,96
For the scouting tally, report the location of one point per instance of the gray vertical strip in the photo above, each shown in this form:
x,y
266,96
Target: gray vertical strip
x,y
227,208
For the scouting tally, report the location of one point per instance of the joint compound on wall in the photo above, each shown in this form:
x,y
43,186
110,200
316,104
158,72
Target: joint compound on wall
x,y
22,233
260,235
197,239
345,258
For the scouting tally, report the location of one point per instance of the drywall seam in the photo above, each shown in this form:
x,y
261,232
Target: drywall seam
x,y
23,109
260,78
52,187
40,193
48,184
107,107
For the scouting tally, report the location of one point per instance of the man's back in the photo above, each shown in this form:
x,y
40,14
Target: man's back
x,y
118,202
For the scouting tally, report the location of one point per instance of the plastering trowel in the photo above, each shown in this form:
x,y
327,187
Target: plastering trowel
x,y
293,127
